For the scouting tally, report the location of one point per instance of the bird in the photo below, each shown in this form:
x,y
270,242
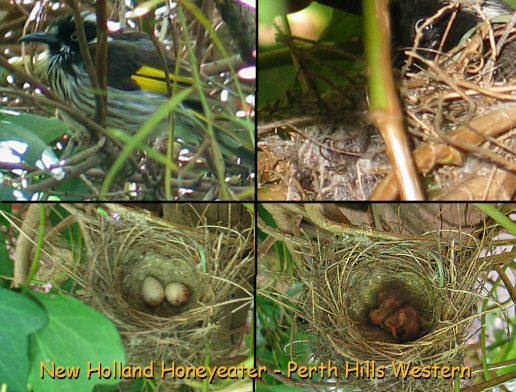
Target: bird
x,y
407,16
403,324
136,83
444,28
389,302
396,315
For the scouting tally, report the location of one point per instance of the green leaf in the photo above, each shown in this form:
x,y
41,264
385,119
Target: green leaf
x,y
272,9
75,336
5,210
497,215
72,188
6,265
19,144
7,192
48,129
273,83
21,316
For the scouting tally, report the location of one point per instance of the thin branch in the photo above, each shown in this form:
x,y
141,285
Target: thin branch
x,y
101,60
86,56
385,108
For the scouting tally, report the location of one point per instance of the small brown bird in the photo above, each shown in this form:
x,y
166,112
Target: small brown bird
x,y
395,315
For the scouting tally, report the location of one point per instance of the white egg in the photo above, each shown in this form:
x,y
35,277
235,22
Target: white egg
x,y
152,291
177,293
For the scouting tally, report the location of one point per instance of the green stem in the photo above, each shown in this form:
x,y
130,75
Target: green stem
x,y
497,215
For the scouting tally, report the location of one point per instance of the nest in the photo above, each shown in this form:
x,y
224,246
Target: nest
x,y
345,275
460,111
362,268
463,103
214,262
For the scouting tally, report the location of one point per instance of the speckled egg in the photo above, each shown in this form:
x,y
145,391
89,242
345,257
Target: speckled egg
x,y
177,293
152,291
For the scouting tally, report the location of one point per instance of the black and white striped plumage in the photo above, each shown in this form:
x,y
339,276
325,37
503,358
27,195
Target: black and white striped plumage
x,y
129,105
407,15
136,86
125,110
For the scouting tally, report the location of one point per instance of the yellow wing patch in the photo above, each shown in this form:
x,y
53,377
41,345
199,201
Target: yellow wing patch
x,y
153,79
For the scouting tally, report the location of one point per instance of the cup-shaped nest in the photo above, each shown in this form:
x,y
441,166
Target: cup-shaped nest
x,y
214,263
387,302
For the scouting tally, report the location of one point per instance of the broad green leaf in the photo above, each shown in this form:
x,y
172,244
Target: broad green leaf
x,y
19,144
75,337
21,316
9,193
48,129
73,189
274,82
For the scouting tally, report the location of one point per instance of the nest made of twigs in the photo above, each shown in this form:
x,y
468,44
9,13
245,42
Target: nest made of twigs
x,y
439,274
462,102
215,263
459,111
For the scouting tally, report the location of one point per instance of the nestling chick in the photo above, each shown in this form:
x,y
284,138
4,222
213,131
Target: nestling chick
x,y
395,315
389,303
404,324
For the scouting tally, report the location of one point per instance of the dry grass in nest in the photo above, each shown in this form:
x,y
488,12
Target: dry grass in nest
x,y
215,263
462,107
321,148
360,268
460,113
440,275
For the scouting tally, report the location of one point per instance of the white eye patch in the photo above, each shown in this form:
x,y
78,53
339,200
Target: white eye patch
x,y
89,16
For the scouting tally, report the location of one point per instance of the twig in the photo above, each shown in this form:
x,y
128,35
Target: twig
x,y
385,109
86,55
506,281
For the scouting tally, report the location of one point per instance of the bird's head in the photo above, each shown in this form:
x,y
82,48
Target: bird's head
x,y
61,35
439,24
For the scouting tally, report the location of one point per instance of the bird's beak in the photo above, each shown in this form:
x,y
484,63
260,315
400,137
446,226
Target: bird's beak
x,y
41,37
